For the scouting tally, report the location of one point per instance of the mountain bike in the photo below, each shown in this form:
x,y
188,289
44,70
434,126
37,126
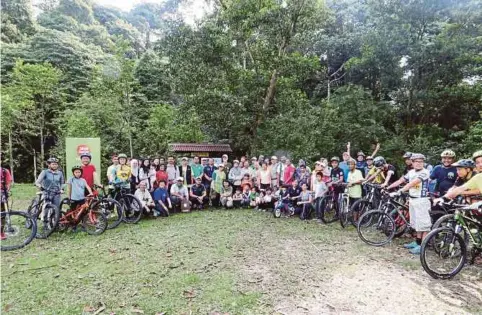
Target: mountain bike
x,y
344,212
444,251
18,227
112,209
329,208
369,202
131,206
45,212
89,215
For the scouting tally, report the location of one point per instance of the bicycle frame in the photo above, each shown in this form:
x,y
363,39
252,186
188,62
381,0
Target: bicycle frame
x,y
461,223
73,217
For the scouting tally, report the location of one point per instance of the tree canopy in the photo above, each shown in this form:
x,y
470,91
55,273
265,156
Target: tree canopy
x,y
304,77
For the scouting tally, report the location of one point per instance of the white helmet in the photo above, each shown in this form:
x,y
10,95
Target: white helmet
x,y
448,153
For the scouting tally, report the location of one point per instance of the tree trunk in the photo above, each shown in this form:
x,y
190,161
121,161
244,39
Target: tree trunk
x,y
271,89
34,166
10,147
42,147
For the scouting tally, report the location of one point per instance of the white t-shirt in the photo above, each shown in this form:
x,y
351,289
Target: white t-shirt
x,y
420,190
144,197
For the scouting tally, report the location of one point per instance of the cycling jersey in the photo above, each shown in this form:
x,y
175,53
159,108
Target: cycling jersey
x,y
123,173
474,183
420,190
445,178
384,174
337,174
379,179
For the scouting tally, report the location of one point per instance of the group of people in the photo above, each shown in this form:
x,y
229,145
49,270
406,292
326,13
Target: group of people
x,y
163,186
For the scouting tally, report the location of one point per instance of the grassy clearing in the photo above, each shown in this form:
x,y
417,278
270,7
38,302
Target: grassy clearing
x,y
211,262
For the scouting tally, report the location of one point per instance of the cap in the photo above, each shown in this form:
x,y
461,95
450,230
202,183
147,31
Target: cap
x,y
254,158
184,159
235,161
221,165
224,155
180,178
199,178
274,157
369,158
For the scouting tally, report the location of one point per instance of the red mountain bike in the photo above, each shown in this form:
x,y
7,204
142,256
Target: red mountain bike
x,y
89,214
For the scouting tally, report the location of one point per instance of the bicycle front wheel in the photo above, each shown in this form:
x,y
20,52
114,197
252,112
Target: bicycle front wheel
x,y
113,212
443,253
376,228
132,208
47,221
328,210
345,214
18,229
94,221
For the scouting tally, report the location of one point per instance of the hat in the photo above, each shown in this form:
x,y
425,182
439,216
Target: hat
x,y
274,157
235,161
369,158
254,158
221,165
224,155
360,154
199,177
184,159
180,178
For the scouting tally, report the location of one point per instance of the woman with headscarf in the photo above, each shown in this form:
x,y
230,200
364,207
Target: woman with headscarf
x,y
134,174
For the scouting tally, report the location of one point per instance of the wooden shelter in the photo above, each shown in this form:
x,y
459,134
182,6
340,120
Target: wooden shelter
x,y
200,149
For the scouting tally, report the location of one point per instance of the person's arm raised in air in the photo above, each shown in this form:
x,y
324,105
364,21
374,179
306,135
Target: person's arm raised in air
x,y
376,150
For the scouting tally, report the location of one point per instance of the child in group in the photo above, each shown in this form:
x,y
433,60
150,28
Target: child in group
x,y
76,187
238,198
161,200
246,192
254,198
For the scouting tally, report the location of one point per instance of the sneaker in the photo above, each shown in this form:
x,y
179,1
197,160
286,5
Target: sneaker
x,y
411,245
3,236
415,250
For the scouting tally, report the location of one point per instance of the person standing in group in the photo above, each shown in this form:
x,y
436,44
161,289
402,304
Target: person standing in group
x,y
416,183
218,178
281,171
208,173
156,162
134,174
147,174
245,168
320,189
88,170
318,168
204,162
76,188
304,176
337,177
123,172
197,169
289,173
185,172
235,175
354,180
111,171
5,185
253,171
161,175
172,172
445,174
361,163
408,162
274,171
51,181
226,163
264,177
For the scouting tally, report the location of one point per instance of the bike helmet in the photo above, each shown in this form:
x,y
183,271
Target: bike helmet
x,y
361,154
417,156
448,153
477,154
379,161
352,161
407,155
52,160
86,155
464,163
122,156
335,158
369,158
76,167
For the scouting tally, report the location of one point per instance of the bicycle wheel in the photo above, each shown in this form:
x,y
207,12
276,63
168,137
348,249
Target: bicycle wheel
x,y
377,229
94,221
358,208
19,229
328,212
47,220
132,208
345,213
400,219
277,212
443,253
113,212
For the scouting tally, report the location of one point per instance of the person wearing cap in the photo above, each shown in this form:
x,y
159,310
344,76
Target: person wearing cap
x,y
235,175
219,176
303,176
408,162
465,171
416,183
473,187
289,173
369,160
226,163
374,175
179,193
445,174
198,195
274,171
208,173
196,168
123,172
361,163
185,172
52,180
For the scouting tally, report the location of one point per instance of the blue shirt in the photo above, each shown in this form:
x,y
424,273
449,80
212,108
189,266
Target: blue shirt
x,y
160,194
445,178
346,169
208,171
362,166
77,188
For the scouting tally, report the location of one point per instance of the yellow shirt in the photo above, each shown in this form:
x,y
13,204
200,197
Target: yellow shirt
x,y
379,179
475,183
123,173
356,190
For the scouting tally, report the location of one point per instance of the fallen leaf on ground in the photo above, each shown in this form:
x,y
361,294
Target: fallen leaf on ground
x,y
88,309
7,307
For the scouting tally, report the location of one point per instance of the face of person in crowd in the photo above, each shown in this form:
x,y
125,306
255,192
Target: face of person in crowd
x,y
155,162
211,162
162,161
54,166
266,161
226,184
360,158
304,187
162,167
243,159
134,163
198,181
246,164
317,166
462,172
179,183
225,158
221,168
294,184
77,173
288,162
184,162
85,160
162,184
478,164
319,177
253,189
122,161
283,160
334,163
408,162
146,163
418,164
246,177
352,165
302,169
274,161
346,156
235,164
195,160
142,186
447,161
369,162
265,166
115,160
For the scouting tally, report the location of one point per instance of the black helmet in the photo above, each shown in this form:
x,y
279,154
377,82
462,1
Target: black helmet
x,y
86,155
379,161
464,163
52,160
407,155
76,167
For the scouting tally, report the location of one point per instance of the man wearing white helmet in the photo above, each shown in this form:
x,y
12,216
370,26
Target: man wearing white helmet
x,y
445,174
416,181
474,186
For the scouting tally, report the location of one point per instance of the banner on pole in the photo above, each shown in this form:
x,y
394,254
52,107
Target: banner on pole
x,y
74,147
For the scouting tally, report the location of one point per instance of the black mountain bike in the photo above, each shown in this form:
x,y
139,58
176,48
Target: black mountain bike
x,y
45,212
131,206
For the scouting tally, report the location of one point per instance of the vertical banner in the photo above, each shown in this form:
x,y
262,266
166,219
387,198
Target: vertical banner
x,y
74,147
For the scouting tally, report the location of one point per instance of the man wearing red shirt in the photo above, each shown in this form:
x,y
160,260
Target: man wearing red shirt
x,y
5,182
289,173
88,170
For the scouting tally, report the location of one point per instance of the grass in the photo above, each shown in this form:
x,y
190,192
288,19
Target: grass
x,y
211,262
